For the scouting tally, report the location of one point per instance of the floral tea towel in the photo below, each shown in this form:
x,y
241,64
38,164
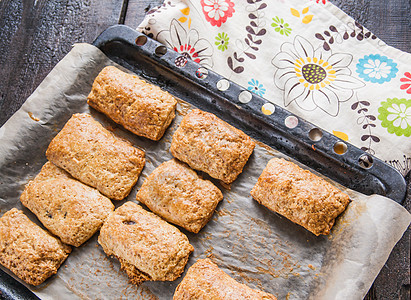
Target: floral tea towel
x,y
306,56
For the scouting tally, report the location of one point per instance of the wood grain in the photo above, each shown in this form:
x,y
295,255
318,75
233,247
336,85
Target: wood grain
x,y
388,20
136,10
391,22
35,35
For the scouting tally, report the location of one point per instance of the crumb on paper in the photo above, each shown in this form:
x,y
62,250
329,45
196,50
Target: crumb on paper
x,y
226,186
262,224
281,266
208,236
228,232
229,199
243,274
222,212
183,108
33,117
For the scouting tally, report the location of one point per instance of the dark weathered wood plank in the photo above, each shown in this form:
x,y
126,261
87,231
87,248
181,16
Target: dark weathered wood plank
x,y
136,10
35,35
391,22
388,20
393,282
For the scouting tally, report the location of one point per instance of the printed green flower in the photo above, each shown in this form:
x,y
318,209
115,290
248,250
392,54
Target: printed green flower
x,y
395,115
281,27
222,41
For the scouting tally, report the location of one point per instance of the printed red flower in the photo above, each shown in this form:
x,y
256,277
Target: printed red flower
x,y
321,1
188,43
217,11
407,85
188,51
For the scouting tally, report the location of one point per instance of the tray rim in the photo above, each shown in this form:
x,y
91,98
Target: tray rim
x,y
393,179
12,288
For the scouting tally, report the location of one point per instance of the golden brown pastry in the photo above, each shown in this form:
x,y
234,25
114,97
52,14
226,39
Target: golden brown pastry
x,y
91,154
300,196
148,248
177,194
27,250
140,107
209,144
205,281
68,208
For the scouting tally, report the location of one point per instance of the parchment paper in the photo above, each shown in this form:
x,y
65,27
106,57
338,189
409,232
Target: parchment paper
x,y
252,244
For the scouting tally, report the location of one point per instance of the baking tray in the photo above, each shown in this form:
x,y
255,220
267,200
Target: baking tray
x,y
211,92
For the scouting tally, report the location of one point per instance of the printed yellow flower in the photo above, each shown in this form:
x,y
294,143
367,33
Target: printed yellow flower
x,y
312,79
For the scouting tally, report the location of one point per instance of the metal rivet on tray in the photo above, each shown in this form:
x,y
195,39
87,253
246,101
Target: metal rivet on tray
x,y
340,148
202,73
245,97
291,122
366,161
268,109
181,61
141,40
223,85
160,50
315,134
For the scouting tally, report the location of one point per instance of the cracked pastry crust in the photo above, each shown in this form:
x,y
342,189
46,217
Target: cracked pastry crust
x,y
140,107
27,250
204,280
300,196
93,155
177,194
209,144
148,248
68,208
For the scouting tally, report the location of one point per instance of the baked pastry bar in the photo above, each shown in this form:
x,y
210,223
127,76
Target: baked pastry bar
x,y
91,154
204,280
68,208
148,248
209,144
27,250
177,194
300,196
140,107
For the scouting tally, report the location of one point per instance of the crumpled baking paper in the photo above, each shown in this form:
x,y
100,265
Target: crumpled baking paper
x,y
252,244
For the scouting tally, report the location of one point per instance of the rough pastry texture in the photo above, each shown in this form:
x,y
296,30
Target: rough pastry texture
x,y
140,107
177,194
27,250
204,280
91,154
300,196
68,208
147,247
211,145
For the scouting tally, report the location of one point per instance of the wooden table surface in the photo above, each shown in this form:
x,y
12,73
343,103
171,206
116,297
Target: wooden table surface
x,y
36,34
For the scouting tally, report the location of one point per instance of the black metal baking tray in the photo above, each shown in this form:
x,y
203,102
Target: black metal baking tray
x,y
210,91
186,80
11,289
